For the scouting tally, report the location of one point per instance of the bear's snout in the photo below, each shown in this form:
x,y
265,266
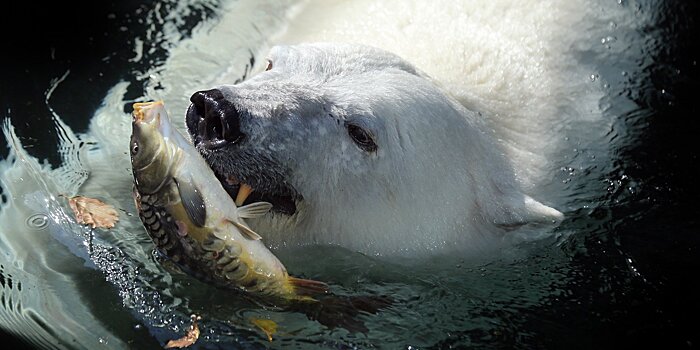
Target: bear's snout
x,y
212,120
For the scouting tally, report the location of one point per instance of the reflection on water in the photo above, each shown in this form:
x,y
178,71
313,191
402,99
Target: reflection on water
x,y
64,285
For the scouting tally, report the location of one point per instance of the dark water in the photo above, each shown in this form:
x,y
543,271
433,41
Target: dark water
x,y
626,278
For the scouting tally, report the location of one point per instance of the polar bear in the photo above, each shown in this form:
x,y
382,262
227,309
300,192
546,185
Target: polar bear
x,y
356,147
408,128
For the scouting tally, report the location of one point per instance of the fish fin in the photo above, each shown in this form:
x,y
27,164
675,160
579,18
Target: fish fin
x,y
254,210
247,231
308,287
192,201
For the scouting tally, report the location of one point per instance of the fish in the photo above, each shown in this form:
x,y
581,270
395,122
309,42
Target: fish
x,y
194,222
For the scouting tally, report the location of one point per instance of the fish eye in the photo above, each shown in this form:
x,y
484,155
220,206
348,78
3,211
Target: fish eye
x,y
362,138
269,65
134,148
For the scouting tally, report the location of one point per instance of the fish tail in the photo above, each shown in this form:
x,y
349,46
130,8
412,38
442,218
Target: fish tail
x,y
346,312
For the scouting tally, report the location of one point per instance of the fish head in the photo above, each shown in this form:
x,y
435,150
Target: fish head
x,y
152,156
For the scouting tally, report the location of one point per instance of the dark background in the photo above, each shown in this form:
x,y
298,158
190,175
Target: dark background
x,y
659,228
41,41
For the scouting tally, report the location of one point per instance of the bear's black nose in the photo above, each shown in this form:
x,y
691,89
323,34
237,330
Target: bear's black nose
x,y
212,120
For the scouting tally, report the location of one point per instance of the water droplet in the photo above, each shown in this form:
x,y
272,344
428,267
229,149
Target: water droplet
x,y
608,39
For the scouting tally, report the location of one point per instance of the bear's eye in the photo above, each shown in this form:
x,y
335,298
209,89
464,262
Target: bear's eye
x,y
134,148
269,65
362,138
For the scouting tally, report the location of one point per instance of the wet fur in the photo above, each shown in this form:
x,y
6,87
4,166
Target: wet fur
x,y
438,179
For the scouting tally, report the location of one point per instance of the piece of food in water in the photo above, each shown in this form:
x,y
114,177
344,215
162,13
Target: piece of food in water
x,y
269,327
93,212
189,338
192,219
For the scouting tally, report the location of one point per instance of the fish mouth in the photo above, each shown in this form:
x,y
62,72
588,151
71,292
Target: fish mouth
x,y
141,109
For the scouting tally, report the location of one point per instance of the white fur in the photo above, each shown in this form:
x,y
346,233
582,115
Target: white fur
x,y
510,61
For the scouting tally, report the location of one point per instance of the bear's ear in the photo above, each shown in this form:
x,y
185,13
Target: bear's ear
x,y
521,209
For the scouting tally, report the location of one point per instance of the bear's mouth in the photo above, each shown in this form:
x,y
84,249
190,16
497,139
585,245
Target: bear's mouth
x,y
283,197
247,174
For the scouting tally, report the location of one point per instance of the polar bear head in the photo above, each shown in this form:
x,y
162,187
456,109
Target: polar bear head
x,y
355,147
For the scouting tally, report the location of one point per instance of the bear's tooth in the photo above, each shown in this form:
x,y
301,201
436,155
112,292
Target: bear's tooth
x,y
243,193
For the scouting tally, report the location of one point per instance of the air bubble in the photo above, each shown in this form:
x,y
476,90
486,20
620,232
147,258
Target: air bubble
x,y
37,221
